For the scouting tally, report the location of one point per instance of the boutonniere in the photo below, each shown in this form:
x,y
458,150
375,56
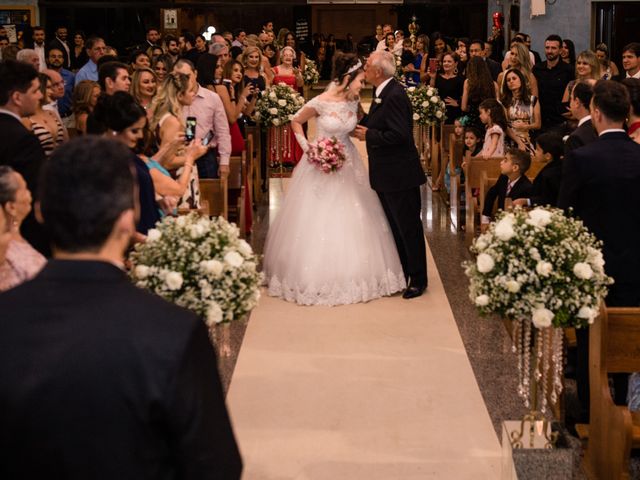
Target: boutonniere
x,y
378,101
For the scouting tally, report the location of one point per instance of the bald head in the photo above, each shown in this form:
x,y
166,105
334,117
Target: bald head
x,y
57,83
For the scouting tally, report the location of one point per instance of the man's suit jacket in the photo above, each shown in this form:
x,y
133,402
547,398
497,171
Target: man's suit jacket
x,y
546,185
495,68
21,150
57,43
600,181
521,189
102,380
394,162
581,136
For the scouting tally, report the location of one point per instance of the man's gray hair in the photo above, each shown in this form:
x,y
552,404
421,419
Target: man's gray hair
x,y
386,61
26,54
217,48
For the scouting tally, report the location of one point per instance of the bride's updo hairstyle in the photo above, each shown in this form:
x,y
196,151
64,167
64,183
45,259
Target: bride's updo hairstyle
x,y
346,65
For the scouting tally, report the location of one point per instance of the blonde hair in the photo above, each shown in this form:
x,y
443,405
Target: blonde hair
x,y
81,98
592,59
524,60
166,101
135,81
245,57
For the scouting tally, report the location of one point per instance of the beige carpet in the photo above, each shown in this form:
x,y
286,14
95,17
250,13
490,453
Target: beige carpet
x,y
382,390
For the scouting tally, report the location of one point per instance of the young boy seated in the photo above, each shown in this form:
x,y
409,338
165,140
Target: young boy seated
x,y
512,183
546,185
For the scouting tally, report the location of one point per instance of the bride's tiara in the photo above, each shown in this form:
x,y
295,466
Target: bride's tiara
x,y
355,67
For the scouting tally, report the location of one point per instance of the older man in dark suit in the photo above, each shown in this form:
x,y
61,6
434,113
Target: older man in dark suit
x,y
99,379
395,172
600,182
19,148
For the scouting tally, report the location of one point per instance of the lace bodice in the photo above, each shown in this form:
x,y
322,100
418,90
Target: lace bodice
x,y
334,118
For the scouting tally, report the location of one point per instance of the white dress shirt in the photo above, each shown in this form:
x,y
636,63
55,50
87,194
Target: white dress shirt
x,y
380,87
40,50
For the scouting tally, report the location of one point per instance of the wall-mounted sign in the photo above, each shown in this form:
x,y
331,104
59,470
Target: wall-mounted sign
x,y
170,18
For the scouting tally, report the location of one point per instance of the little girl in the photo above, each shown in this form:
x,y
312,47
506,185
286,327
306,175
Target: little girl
x,y
472,141
493,116
445,174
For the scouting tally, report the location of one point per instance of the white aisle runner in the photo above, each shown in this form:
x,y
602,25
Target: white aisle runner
x,y
375,391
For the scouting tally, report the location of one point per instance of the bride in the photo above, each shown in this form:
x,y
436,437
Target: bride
x,y
331,243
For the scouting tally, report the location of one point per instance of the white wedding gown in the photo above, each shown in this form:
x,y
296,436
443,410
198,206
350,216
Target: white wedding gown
x,y
331,244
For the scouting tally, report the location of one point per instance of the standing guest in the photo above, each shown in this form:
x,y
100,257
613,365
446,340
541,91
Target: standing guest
x,y
39,46
144,86
55,62
493,117
211,116
419,66
462,49
154,52
152,40
439,46
379,36
22,262
270,52
290,40
85,98
44,124
221,50
390,43
608,67
594,180
172,48
476,49
162,65
238,43
5,237
526,38
349,46
387,28
579,103
19,97
95,48
206,68
30,57
139,59
631,60
114,77
517,40
141,379
546,185
189,50
523,109
552,76
568,52
450,85
587,70
201,44
60,42
477,87
252,61
79,54
519,59
4,42
407,59
633,124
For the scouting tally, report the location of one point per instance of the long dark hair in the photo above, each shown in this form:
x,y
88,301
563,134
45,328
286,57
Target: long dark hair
x,y
480,83
343,62
496,112
226,74
206,68
506,95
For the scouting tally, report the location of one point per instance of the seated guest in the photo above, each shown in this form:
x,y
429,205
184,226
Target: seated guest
x,y
95,48
94,369
633,86
139,59
546,185
144,86
44,124
114,77
580,99
512,183
22,261
85,98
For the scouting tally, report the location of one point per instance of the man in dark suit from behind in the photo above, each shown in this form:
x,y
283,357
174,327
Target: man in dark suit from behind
x,y
476,49
600,182
579,103
98,378
19,148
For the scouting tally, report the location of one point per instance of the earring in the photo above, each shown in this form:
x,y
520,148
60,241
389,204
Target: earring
x,y
455,71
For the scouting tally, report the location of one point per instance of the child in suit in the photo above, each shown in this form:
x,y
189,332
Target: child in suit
x,y
512,183
546,185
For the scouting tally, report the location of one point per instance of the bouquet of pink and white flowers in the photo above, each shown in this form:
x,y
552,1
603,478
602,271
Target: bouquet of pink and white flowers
x,y
326,154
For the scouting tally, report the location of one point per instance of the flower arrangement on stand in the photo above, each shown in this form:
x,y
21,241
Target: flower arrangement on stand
x,y
326,154
399,75
275,109
200,264
544,271
429,110
310,74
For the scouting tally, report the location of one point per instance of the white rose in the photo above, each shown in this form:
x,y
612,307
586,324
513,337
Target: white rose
x,y
181,221
583,270
213,267
416,116
482,300
282,102
291,117
273,111
485,263
430,93
197,230
173,280
542,317
504,228
154,234
587,313
411,89
276,121
141,271
539,217
244,248
425,103
544,269
272,94
535,253
595,258
512,286
439,114
434,100
214,314
234,259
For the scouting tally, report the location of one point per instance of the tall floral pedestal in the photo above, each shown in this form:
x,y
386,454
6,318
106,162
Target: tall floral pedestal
x,y
422,139
280,150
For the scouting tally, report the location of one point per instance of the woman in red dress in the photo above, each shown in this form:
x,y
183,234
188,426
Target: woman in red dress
x,y
286,73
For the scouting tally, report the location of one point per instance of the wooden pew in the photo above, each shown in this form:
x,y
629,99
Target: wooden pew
x,y
613,430
214,192
254,160
454,156
236,191
477,171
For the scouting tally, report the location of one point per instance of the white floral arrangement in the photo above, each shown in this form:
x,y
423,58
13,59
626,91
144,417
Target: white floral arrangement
x,y
199,264
539,265
277,105
399,75
428,107
310,74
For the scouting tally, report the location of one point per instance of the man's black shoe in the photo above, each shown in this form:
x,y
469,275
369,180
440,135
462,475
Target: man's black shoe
x,y
413,292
